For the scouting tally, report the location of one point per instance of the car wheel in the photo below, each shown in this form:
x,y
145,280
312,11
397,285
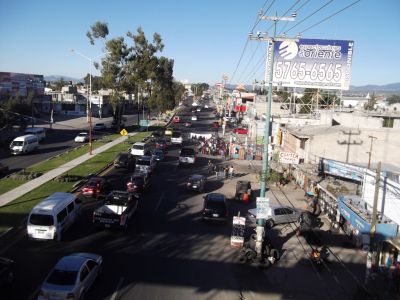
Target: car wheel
x,y
270,223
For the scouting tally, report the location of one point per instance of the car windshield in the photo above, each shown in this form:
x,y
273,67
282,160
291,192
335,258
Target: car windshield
x,y
138,147
61,277
123,157
42,220
142,162
17,143
187,152
138,180
215,205
82,134
176,135
158,152
99,125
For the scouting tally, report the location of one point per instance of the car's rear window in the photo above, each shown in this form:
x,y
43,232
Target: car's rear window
x,y
141,162
137,180
215,205
61,277
176,134
41,220
187,151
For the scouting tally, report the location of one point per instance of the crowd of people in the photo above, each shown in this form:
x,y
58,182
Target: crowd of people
x,y
212,146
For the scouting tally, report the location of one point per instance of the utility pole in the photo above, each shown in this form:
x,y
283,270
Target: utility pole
x,y
370,149
268,78
349,142
373,223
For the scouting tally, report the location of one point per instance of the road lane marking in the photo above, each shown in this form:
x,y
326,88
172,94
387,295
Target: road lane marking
x,y
115,294
160,200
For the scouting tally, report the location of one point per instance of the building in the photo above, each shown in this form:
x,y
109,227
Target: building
x,y
19,84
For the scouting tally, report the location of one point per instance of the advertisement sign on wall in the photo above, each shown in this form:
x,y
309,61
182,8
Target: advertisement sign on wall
x,y
344,170
288,158
313,63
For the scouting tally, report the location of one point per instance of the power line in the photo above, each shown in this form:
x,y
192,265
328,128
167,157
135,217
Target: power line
x,y
247,41
296,11
310,15
251,58
334,14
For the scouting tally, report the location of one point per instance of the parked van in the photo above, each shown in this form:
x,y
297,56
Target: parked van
x,y
52,216
24,144
40,132
142,148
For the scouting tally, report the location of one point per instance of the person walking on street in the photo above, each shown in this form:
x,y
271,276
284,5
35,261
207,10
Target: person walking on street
x,y
230,172
210,166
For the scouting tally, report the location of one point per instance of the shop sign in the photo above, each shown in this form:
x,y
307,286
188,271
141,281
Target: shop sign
x,y
238,226
262,208
288,158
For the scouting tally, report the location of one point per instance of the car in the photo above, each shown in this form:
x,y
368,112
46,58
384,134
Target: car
x,y
187,124
146,163
162,145
95,187
215,207
6,271
280,214
187,156
82,137
168,131
158,155
138,182
3,169
215,125
156,134
176,119
124,160
199,109
176,138
240,130
194,118
99,127
206,106
72,276
196,183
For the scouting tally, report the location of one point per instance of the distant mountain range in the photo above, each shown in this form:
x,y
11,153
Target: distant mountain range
x,y
52,78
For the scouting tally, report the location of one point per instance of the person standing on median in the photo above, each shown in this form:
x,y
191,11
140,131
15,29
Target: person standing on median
x,y
230,172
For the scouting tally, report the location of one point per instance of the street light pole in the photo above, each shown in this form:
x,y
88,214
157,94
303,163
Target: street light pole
x,y
89,102
269,67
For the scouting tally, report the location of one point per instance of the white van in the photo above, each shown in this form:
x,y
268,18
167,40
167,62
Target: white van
x,y
24,144
52,216
40,132
142,148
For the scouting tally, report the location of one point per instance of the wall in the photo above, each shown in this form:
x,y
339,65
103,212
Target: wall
x,y
386,147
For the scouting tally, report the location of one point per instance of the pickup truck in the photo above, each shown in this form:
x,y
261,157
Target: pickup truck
x,y
118,208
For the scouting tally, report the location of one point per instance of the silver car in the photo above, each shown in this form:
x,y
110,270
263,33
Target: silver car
x,y
72,277
278,214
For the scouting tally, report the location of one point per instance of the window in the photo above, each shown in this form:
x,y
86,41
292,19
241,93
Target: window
x,y
84,273
43,220
278,211
61,215
91,264
287,211
70,207
303,143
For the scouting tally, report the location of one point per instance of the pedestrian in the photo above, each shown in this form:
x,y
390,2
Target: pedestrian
x,y
230,172
226,170
216,169
210,166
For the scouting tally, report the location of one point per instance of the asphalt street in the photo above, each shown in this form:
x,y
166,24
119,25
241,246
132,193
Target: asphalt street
x,y
168,252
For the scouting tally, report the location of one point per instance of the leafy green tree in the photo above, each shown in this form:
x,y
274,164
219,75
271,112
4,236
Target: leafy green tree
x,y
199,88
370,105
393,99
58,84
306,100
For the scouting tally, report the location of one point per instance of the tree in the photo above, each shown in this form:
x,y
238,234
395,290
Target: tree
x,y
306,101
199,88
58,84
393,99
370,105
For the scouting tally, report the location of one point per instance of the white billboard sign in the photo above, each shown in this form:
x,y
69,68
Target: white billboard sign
x,y
288,158
313,63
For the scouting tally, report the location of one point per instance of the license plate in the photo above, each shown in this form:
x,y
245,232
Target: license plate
x,y
215,215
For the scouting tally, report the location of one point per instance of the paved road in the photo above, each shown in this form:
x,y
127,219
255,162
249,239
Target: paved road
x,y
169,253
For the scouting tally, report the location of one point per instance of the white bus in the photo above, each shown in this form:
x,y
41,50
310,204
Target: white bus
x,y
40,132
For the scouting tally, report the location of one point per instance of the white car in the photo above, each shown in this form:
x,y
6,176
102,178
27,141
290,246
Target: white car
x,y
194,118
71,277
82,137
206,106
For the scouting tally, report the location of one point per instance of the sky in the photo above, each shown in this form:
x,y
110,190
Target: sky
x,y
206,39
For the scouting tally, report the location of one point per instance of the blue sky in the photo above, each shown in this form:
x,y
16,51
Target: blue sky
x,y
205,38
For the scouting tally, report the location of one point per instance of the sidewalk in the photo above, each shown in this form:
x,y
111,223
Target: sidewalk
x,y
32,184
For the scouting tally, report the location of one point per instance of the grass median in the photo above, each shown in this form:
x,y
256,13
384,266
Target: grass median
x,y
12,214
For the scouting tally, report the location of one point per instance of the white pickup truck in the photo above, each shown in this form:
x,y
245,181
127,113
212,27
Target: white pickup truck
x,y
117,210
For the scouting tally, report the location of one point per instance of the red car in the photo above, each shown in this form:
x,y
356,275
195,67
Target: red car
x,y
240,130
95,187
162,144
176,119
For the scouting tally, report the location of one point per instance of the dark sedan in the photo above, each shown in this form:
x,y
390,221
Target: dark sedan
x,y
138,183
215,207
124,160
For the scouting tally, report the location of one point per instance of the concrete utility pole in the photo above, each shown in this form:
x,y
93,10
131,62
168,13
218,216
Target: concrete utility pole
x,y
268,78
370,149
373,223
349,142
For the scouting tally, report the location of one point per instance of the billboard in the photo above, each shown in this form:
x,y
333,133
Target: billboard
x,y
313,63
